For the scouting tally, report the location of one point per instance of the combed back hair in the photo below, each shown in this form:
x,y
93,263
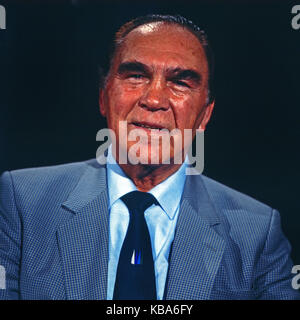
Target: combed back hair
x,y
126,28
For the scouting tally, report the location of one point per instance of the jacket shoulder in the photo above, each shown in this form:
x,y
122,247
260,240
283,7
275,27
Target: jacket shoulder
x,y
228,199
57,181
54,172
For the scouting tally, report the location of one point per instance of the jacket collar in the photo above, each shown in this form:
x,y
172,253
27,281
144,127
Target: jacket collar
x,y
91,185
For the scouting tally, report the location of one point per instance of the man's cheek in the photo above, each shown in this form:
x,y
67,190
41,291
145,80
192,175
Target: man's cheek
x,y
122,101
184,120
115,108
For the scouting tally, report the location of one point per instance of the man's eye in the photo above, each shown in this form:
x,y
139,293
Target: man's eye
x,y
135,76
181,83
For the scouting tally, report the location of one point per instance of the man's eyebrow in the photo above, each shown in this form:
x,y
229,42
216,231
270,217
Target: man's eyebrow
x,y
185,74
132,66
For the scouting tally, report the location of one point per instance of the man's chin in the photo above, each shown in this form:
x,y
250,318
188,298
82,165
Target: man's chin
x,y
145,154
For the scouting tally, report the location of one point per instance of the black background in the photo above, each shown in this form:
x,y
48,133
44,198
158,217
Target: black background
x,y
49,90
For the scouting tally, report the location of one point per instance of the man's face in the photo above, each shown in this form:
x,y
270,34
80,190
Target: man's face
x,y
158,80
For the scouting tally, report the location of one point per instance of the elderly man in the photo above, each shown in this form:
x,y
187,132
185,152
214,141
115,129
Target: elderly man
x,y
142,230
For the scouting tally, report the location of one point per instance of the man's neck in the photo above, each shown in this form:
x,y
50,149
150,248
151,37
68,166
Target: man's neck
x,y
146,177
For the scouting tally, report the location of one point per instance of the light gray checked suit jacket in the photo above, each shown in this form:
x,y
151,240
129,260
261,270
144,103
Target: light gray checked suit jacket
x,y
54,239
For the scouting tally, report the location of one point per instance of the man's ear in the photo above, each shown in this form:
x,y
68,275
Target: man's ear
x,y
102,102
207,114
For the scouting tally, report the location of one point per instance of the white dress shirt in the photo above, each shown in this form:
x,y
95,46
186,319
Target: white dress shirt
x,y
161,220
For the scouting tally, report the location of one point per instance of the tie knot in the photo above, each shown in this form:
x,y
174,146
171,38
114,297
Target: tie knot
x,y
138,201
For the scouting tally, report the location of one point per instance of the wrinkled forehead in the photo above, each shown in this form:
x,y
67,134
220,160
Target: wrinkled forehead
x,y
159,38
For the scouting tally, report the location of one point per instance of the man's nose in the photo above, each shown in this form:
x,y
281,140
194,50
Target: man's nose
x,y
155,96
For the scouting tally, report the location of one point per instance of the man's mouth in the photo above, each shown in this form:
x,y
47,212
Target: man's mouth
x,y
149,126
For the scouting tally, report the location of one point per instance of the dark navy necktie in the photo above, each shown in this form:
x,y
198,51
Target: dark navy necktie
x,y
135,279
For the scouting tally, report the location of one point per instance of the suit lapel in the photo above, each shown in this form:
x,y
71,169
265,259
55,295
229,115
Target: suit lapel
x,y
197,248
83,240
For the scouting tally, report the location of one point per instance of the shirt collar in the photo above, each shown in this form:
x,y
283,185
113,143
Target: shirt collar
x,y
118,183
167,193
